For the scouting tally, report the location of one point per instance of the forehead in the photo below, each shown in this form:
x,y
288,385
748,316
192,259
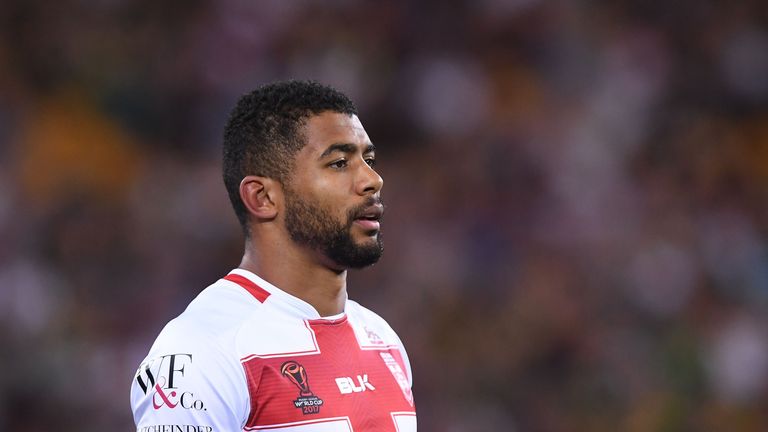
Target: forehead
x,y
330,128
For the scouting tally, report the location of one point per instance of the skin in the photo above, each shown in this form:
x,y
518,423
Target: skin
x,y
337,177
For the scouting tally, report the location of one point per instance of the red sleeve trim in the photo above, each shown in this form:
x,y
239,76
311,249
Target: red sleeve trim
x,y
258,292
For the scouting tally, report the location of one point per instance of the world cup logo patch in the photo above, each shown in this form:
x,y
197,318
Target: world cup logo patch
x,y
296,374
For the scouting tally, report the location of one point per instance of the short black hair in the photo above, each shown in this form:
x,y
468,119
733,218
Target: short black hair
x,y
263,135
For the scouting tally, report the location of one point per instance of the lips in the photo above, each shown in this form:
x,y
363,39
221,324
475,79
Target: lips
x,y
372,213
369,218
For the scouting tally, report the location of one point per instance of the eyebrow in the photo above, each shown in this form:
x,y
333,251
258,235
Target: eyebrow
x,y
346,148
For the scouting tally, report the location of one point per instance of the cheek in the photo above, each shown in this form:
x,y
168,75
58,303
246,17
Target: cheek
x,y
329,204
328,196
329,192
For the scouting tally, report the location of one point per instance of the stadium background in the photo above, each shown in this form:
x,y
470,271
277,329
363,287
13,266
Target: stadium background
x,y
577,198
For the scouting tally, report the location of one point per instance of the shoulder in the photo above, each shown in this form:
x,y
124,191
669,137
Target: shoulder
x,y
375,328
358,311
373,332
204,325
208,327
192,372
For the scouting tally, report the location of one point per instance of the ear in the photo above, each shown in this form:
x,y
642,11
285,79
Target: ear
x,y
260,196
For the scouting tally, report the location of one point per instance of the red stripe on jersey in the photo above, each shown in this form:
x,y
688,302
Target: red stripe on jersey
x,y
258,292
340,381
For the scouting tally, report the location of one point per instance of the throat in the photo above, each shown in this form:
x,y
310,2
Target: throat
x,y
326,292
301,272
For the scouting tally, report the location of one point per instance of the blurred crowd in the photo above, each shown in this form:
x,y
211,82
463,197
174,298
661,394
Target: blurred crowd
x,y
577,226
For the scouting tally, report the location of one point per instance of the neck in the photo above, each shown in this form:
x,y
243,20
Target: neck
x,y
300,273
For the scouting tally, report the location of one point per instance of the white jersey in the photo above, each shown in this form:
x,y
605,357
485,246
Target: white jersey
x,y
246,355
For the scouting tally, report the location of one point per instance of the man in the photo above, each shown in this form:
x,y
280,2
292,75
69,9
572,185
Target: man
x,y
276,344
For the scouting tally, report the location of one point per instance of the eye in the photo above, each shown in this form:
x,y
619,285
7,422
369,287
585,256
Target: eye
x,y
371,162
341,163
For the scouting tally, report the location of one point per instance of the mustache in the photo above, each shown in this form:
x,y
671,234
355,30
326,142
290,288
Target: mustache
x,y
359,210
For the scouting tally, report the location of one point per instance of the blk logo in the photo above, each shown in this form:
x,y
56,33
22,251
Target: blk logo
x,y
347,385
160,377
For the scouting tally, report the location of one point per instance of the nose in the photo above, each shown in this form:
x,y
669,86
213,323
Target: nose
x,y
369,181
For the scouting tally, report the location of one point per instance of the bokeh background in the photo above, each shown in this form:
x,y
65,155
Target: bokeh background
x,y
577,226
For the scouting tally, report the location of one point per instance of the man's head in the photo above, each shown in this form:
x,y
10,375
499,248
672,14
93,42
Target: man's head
x,y
264,132
296,154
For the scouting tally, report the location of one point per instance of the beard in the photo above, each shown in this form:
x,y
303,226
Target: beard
x,y
311,225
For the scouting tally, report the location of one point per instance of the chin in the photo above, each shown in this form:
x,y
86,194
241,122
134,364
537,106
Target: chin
x,y
368,241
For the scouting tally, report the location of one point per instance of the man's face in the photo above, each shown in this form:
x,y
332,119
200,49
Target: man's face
x,y
332,201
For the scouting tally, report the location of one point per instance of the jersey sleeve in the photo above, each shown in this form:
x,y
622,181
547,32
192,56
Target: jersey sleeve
x,y
188,382
406,360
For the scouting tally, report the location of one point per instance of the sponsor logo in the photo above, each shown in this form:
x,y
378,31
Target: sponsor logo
x,y
160,377
373,338
400,377
306,401
175,428
347,385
